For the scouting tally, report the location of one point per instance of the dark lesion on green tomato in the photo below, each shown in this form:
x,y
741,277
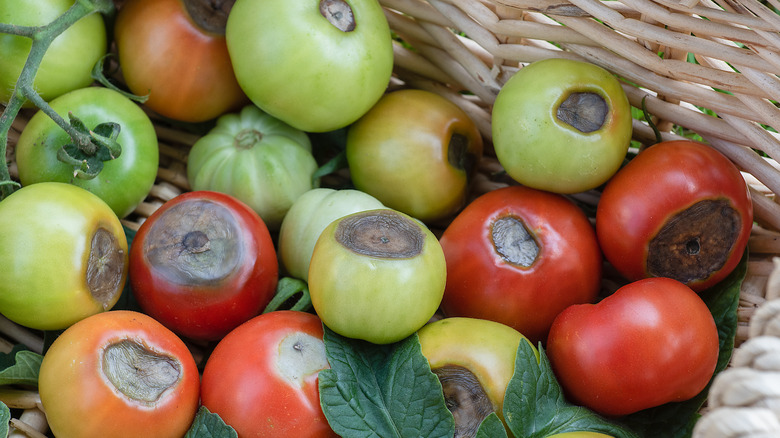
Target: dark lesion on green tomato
x,y
586,111
513,242
338,13
696,242
138,372
465,398
105,267
196,242
459,155
380,233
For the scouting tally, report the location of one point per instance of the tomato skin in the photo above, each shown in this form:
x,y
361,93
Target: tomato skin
x,y
124,181
185,69
652,342
67,64
483,284
46,231
243,384
657,184
200,304
79,399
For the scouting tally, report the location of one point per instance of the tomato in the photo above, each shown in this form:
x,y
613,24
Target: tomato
x,y
68,62
376,275
316,65
519,256
561,125
63,258
119,374
175,51
652,342
256,158
308,217
416,152
202,264
474,360
261,379
679,209
124,181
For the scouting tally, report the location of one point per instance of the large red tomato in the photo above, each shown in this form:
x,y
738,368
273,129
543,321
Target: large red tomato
x,y
519,256
679,209
119,374
261,379
652,342
175,51
202,264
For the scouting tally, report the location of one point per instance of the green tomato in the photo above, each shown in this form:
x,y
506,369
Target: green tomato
x,y
64,256
67,64
376,275
257,159
561,125
317,65
124,181
309,215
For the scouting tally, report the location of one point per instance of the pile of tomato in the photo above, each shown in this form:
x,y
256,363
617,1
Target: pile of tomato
x,y
523,263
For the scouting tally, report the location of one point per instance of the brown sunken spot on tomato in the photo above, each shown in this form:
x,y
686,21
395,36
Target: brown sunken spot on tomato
x,y
381,233
138,372
465,398
105,268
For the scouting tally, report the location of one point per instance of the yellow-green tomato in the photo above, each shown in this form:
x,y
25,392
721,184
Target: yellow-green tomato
x,y
580,435
416,152
561,125
376,275
474,360
64,256
311,213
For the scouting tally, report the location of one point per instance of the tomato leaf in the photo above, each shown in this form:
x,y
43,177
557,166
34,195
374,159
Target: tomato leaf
x,y
24,371
382,390
209,425
676,420
5,418
291,294
534,404
491,427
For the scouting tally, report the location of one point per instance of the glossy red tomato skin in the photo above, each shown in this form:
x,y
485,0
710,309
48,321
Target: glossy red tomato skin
x,y
184,68
482,284
209,310
662,181
652,342
241,380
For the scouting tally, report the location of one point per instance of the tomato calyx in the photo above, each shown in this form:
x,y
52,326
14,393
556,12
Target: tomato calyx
x,y
513,242
105,267
247,138
138,372
300,356
339,14
90,148
465,398
380,233
585,111
209,15
694,243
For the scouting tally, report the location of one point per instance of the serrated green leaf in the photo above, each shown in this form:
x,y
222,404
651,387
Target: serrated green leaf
x,y
24,371
9,359
209,425
382,390
535,407
492,427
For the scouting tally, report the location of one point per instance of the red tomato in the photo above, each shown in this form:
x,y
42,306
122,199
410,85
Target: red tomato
x,y
119,374
166,50
262,377
652,342
519,256
679,209
202,264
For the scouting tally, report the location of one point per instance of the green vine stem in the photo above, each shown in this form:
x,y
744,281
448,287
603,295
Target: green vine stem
x,y
42,37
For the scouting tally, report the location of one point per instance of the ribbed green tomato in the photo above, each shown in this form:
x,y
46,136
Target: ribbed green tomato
x,y
256,158
67,63
309,215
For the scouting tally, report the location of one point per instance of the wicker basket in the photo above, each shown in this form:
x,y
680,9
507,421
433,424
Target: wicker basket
x,y
699,66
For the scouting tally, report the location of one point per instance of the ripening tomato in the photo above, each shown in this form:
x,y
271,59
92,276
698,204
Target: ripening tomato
x,y
679,209
175,51
519,256
652,342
